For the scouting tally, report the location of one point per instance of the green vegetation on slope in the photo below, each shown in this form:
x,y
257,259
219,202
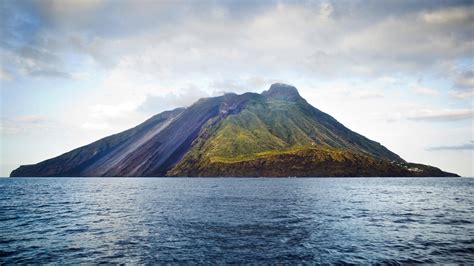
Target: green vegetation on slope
x,y
263,127
309,162
266,128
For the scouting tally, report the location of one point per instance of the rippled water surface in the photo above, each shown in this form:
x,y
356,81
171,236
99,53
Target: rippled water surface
x,y
126,220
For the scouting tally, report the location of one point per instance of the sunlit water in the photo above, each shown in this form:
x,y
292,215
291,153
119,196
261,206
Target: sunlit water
x,y
159,220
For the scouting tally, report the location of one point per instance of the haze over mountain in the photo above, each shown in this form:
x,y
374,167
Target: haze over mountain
x,y
275,133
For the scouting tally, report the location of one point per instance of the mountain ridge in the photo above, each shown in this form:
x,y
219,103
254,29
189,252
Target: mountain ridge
x,y
275,133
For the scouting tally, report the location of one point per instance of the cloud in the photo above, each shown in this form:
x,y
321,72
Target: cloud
x,y
155,104
425,91
73,10
469,94
242,85
322,38
109,116
466,146
411,42
32,43
461,77
443,115
366,94
50,73
5,74
464,80
463,87
33,61
451,16
24,124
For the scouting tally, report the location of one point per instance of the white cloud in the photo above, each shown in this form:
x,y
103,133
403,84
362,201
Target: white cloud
x,y
94,125
464,80
442,115
109,117
24,124
155,104
100,111
455,15
5,74
469,95
409,43
425,91
242,85
369,94
461,147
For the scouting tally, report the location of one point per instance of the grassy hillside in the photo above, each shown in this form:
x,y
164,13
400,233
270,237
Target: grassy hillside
x,y
269,127
305,162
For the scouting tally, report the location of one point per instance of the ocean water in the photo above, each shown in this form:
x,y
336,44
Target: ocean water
x,y
218,220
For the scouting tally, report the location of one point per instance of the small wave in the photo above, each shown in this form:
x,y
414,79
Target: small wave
x,y
405,220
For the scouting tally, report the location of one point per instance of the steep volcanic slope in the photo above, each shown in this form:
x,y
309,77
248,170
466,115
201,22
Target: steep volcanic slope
x,y
149,149
81,161
276,133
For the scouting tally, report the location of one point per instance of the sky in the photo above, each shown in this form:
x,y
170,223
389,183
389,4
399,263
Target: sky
x,y
398,72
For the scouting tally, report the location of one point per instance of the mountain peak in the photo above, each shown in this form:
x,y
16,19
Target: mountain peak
x,y
282,91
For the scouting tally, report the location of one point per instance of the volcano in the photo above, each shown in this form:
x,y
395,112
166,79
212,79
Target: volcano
x,y
273,134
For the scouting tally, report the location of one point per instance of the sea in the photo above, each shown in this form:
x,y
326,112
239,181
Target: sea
x,y
237,220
